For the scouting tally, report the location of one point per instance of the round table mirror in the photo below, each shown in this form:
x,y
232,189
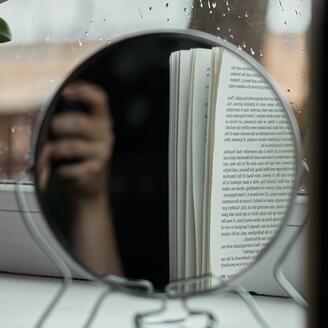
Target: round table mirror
x,y
164,156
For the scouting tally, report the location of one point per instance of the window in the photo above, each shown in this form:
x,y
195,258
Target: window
x,y
51,37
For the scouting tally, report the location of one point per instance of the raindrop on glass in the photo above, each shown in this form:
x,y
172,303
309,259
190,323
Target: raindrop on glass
x,y
80,43
51,80
252,51
18,56
223,14
104,20
261,53
214,4
211,12
167,5
288,90
218,28
150,8
303,189
231,36
282,7
140,13
246,14
244,44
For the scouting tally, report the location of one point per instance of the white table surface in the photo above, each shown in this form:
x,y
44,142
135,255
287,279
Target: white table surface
x,y
24,298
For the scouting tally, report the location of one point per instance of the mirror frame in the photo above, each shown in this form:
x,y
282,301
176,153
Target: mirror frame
x,y
123,284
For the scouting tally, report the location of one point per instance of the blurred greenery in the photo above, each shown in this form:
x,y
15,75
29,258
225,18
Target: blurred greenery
x,y
5,34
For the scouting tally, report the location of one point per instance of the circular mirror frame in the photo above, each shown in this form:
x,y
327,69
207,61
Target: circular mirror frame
x,y
124,284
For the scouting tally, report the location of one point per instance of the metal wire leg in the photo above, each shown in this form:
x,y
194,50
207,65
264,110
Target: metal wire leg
x,y
118,281
278,270
212,321
49,251
140,317
171,289
242,292
96,307
252,305
122,282
279,273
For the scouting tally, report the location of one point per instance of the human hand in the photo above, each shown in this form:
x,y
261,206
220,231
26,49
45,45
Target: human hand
x,y
85,139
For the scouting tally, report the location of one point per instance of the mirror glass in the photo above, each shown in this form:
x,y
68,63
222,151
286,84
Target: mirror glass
x,y
164,156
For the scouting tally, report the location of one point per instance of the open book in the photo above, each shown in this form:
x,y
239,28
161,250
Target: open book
x,y
231,163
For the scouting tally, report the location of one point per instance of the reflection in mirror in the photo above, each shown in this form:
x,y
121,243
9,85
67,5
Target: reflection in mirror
x,y
166,156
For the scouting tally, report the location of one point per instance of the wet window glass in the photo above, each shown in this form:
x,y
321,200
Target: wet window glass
x,y
49,38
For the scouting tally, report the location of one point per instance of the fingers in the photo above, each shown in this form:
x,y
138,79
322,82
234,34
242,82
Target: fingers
x,y
87,178
96,124
80,172
79,125
43,167
86,175
91,94
86,137
79,149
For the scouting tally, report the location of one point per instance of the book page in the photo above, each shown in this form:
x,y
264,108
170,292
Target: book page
x,y
183,104
216,59
199,112
172,166
253,167
190,258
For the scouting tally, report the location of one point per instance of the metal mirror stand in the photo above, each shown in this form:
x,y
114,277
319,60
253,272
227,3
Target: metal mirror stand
x,y
141,318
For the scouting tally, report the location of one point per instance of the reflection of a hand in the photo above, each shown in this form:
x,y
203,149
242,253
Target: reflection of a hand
x,y
43,167
77,156
86,138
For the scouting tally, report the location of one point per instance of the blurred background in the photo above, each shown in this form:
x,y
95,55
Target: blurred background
x,y
50,38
